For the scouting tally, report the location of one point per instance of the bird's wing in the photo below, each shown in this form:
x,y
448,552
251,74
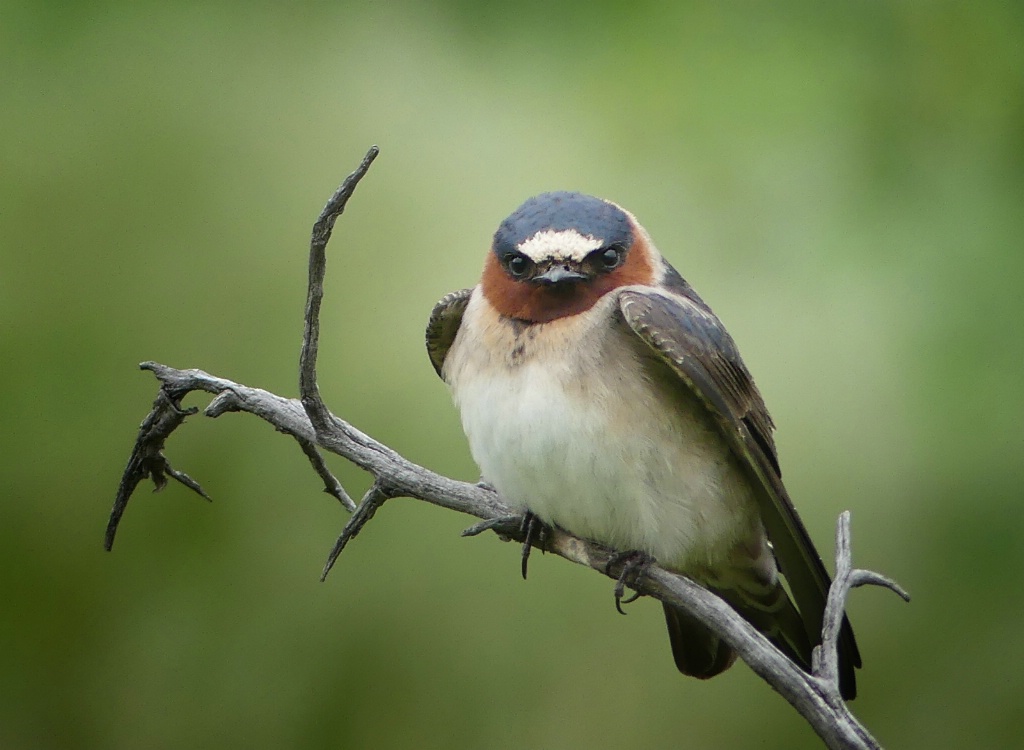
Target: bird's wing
x,y
690,339
444,323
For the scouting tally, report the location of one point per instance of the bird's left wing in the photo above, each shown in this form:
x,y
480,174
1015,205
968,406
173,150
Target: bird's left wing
x,y
690,339
444,324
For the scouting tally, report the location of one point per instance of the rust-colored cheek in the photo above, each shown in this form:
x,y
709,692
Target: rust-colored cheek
x,y
638,268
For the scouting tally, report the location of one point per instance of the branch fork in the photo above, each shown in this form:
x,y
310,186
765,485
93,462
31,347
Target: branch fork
x,y
308,420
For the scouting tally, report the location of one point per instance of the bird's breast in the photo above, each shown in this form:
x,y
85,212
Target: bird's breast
x,y
577,422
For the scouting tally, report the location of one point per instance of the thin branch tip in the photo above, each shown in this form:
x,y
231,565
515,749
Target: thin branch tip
x,y
332,486
870,578
309,391
374,498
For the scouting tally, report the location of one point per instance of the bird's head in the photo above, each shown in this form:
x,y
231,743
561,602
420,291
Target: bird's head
x,y
559,253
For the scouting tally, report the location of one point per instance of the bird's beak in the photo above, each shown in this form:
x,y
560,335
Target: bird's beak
x,y
559,274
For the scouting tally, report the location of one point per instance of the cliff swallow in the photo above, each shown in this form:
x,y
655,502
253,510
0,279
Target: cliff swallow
x,y
602,395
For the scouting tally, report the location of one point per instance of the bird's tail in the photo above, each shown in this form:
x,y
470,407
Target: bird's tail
x,y
700,653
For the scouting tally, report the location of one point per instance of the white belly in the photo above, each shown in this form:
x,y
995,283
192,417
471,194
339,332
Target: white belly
x,y
593,446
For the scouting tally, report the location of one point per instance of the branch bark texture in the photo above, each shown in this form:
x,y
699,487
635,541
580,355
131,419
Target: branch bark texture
x,y
308,420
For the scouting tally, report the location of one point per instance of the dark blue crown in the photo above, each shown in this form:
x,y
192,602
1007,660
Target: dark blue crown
x,y
562,210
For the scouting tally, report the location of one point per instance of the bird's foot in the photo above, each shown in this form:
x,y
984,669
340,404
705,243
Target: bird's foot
x,y
634,566
527,527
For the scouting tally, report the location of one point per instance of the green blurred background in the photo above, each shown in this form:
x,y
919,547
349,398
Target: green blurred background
x,y
844,183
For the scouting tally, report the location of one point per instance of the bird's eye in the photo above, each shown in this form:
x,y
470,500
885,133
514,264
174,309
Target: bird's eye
x,y
609,258
518,265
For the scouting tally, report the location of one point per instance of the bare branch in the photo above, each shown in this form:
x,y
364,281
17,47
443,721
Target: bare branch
x,y
816,695
308,388
147,458
371,502
228,401
826,661
331,485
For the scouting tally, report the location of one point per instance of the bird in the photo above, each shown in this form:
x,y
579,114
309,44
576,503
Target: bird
x,y
601,395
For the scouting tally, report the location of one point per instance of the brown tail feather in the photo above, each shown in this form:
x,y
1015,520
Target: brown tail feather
x,y
698,652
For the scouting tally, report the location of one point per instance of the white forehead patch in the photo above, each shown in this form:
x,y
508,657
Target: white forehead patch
x,y
567,244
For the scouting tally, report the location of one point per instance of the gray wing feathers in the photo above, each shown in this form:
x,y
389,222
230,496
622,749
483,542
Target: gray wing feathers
x,y
692,341
444,323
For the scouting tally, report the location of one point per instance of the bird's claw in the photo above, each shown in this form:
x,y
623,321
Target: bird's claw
x,y
634,565
532,530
